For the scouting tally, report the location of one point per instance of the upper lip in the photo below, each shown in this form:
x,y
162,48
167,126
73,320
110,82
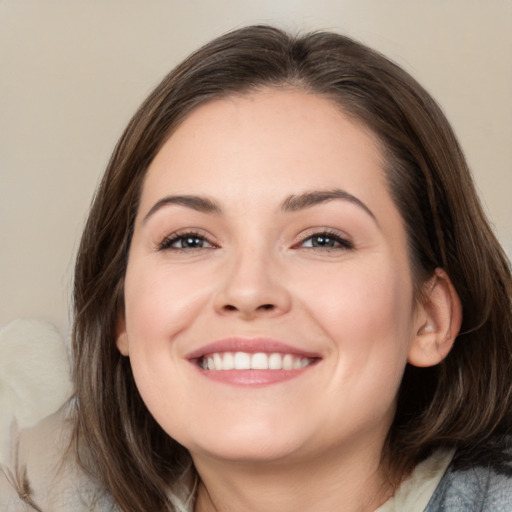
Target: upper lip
x,y
249,345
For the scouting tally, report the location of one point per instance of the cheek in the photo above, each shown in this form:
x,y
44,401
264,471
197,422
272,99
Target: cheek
x,y
370,298
366,313
161,302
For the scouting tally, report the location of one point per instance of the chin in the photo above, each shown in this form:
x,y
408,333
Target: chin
x,y
248,445
256,454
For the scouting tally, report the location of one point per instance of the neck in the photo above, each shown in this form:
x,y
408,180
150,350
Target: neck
x,y
358,484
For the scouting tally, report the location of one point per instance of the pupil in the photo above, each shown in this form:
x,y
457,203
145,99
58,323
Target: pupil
x,y
191,242
323,241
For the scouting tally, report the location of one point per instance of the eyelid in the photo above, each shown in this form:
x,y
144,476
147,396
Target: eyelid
x,y
166,242
345,242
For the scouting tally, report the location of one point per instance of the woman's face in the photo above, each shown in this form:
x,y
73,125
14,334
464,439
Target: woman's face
x,y
269,302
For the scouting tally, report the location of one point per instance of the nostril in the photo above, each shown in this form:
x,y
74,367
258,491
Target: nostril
x,y
262,307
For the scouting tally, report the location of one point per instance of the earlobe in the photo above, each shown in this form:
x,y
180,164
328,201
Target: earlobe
x,y
437,323
122,337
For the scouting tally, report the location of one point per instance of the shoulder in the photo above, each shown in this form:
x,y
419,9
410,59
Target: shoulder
x,y
485,485
44,475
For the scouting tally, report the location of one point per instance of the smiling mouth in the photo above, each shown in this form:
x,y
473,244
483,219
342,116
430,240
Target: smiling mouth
x,y
222,361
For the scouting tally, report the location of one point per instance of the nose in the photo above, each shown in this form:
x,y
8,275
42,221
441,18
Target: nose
x,y
252,287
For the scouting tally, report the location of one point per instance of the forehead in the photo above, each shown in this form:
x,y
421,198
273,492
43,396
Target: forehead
x,y
270,136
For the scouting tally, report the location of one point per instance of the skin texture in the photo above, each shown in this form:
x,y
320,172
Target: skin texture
x,y
255,273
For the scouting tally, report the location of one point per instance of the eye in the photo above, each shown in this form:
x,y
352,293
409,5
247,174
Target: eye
x,y
185,241
326,240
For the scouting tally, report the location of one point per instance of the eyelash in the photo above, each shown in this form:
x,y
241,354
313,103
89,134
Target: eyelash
x,y
168,241
343,243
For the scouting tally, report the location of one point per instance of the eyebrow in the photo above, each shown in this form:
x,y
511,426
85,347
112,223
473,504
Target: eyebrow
x,y
309,199
292,203
198,203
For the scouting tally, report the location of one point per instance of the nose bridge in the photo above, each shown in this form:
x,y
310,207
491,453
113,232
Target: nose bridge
x,y
252,283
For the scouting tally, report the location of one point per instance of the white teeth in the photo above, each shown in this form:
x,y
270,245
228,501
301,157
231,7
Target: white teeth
x,y
228,362
259,361
275,362
256,361
242,361
288,362
297,363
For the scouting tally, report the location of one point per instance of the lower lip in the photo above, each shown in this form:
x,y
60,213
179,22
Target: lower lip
x,y
254,378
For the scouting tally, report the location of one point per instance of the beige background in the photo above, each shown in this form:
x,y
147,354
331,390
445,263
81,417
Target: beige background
x,y
73,72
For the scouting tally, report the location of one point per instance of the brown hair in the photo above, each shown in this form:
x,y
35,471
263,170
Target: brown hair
x,y
464,401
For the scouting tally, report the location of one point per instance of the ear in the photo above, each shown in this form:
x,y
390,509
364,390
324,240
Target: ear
x,y
437,321
122,337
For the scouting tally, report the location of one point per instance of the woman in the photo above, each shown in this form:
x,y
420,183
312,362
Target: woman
x,y
287,297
